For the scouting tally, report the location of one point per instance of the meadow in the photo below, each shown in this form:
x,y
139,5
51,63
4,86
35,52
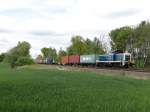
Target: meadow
x,y
44,90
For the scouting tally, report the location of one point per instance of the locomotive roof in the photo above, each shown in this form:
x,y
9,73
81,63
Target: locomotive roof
x,y
118,51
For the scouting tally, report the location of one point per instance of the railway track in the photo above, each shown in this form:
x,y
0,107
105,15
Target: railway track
x,y
130,72
137,70
117,69
106,68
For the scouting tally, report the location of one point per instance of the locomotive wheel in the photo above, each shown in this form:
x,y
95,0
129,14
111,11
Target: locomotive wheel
x,y
126,66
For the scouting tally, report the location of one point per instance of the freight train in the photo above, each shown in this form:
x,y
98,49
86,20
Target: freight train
x,y
45,61
112,60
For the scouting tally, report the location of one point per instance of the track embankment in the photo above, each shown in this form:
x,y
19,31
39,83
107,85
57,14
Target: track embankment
x,y
139,74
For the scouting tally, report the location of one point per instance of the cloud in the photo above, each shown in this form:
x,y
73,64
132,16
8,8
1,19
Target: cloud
x,y
39,12
15,11
4,41
47,33
2,30
123,13
5,44
53,22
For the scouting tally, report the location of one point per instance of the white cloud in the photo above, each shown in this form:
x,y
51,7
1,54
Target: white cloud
x,y
53,22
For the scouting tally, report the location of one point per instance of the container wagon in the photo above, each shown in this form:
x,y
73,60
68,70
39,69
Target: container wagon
x,y
65,60
48,61
88,59
74,60
39,61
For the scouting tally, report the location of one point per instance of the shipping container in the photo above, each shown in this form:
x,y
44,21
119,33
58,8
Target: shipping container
x,y
47,61
88,59
39,61
65,60
106,58
74,59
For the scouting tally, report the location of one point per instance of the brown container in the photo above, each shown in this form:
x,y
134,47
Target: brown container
x,y
65,60
74,59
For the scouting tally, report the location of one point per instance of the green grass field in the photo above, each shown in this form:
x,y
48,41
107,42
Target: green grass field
x,y
37,90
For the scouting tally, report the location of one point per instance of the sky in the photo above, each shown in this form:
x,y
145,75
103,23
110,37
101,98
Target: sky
x,y
52,23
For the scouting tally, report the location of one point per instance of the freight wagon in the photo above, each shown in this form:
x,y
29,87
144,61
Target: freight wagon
x,y
65,60
39,61
88,59
44,61
74,60
47,61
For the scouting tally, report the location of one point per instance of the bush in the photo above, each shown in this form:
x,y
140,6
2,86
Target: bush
x,y
19,55
24,61
2,56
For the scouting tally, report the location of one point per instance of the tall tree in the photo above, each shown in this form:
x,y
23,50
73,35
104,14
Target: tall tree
x,y
45,51
135,40
97,46
61,53
119,37
2,56
19,55
53,54
78,46
89,46
49,53
81,46
142,42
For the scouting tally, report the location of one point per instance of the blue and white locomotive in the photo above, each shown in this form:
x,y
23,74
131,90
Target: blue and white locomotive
x,y
114,59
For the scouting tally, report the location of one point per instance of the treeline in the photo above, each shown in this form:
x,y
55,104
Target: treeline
x,y
79,46
135,40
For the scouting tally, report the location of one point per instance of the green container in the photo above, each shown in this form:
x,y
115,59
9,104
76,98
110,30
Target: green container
x,y
88,59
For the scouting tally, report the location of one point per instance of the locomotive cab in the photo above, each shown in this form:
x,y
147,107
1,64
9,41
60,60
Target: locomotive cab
x,y
126,60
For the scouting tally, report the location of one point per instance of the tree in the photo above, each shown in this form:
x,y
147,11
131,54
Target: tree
x,y
97,46
24,61
142,43
61,53
94,47
49,53
119,37
81,46
89,46
77,46
45,51
2,57
19,55
135,40
53,54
